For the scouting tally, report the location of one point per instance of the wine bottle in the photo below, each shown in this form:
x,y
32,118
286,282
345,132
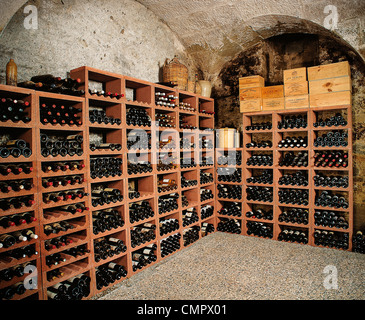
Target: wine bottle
x,y
138,117
170,244
262,194
229,225
259,229
189,216
332,139
206,211
190,235
333,121
293,235
293,122
259,126
230,209
294,196
140,211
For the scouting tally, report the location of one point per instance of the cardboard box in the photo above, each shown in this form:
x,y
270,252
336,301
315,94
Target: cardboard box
x,y
295,75
297,102
326,71
330,85
252,105
273,104
273,92
296,88
330,99
250,93
252,81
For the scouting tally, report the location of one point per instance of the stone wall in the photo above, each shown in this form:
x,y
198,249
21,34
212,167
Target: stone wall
x,y
120,36
268,59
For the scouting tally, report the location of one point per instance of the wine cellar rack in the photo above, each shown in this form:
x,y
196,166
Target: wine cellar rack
x,y
275,135
193,120
194,183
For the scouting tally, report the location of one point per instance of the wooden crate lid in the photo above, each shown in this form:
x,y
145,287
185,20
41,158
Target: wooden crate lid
x,y
326,71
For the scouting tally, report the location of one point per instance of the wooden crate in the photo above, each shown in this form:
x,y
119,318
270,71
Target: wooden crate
x,y
250,93
273,92
251,81
295,88
295,75
252,105
297,102
330,85
330,99
326,71
273,104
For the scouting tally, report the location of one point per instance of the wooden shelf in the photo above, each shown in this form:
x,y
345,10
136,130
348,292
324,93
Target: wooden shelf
x,y
276,136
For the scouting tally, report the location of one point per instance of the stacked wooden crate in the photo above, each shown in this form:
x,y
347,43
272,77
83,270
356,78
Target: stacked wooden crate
x,y
318,86
330,85
296,88
273,98
251,93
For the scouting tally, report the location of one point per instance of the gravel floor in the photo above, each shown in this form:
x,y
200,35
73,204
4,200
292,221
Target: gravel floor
x,y
233,267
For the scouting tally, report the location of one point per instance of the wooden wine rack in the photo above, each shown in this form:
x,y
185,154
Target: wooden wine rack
x,y
221,202
137,93
275,135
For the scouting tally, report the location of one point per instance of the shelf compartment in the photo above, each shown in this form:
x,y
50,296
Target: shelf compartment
x,y
54,187
29,206
267,212
123,261
139,140
78,223
19,193
119,185
186,98
165,98
165,119
188,122
338,237
229,225
15,133
98,110
32,174
301,215
22,225
120,235
64,201
138,90
207,211
68,271
14,95
291,232
53,103
98,136
61,137
206,105
69,258
59,213
190,212
175,216
143,185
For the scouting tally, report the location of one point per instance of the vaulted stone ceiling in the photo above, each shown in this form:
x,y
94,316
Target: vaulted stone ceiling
x,y
215,31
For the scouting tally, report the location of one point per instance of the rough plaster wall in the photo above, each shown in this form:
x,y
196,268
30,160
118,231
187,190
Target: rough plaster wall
x,y
120,36
254,61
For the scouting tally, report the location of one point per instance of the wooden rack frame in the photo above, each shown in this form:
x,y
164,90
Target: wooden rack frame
x,y
137,93
276,135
